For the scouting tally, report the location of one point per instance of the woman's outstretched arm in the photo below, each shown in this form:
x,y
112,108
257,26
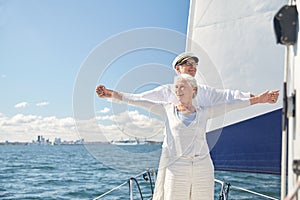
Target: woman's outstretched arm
x,y
154,107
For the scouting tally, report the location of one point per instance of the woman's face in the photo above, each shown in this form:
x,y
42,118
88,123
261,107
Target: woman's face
x,y
183,90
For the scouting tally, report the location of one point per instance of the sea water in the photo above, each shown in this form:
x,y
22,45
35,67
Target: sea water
x,y
76,172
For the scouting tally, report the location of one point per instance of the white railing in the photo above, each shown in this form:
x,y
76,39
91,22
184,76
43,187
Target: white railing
x,y
293,195
226,186
147,177
224,193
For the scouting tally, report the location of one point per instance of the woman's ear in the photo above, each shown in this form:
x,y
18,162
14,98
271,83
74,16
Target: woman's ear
x,y
195,90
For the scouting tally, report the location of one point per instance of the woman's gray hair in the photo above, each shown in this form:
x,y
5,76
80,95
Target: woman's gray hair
x,y
191,81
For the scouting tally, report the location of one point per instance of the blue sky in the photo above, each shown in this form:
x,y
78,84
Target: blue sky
x,y
44,44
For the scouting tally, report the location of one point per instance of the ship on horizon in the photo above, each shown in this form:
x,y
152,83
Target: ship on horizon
x,y
135,141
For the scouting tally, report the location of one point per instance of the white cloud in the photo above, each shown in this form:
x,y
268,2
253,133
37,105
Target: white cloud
x,y
21,105
131,124
41,104
24,119
102,128
3,76
104,110
27,127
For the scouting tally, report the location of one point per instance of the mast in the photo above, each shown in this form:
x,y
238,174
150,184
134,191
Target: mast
x,y
190,25
286,28
294,103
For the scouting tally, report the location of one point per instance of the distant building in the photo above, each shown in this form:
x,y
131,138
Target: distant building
x,y
57,141
42,141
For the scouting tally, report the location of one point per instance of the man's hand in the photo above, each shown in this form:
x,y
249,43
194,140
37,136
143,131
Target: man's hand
x,y
272,96
266,97
103,92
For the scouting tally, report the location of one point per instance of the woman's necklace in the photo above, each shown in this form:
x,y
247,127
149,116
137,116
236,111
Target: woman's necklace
x,y
186,109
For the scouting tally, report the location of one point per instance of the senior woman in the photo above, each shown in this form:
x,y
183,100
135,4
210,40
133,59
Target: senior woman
x,y
188,172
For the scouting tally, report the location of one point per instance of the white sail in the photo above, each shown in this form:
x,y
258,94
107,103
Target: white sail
x,y
238,38
236,44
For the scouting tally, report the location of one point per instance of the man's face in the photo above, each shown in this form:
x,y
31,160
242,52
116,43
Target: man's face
x,y
187,67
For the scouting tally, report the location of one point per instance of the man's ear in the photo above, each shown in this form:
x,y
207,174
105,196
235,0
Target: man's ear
x,y
177,69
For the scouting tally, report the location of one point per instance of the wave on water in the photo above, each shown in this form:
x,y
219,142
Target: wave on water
x,y
71,172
